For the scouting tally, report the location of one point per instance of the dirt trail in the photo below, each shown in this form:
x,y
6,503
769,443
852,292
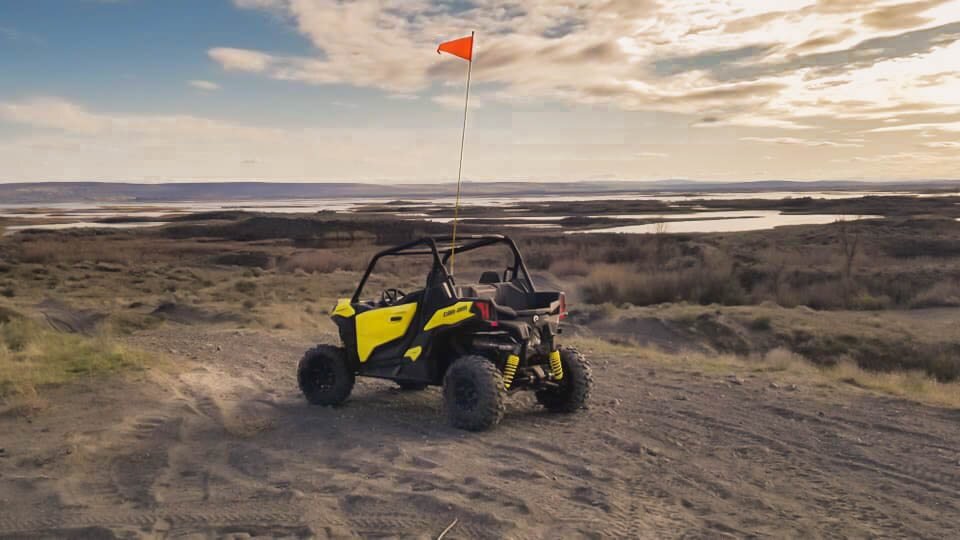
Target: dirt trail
x,y
228,448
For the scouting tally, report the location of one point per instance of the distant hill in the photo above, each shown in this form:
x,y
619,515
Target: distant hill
x,y
105,192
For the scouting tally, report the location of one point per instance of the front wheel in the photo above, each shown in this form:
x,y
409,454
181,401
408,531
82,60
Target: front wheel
x,y
473,393
573,389
324,377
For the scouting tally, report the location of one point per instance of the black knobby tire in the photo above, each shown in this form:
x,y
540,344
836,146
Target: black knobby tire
x,y
574,389
411,386
324,377
473,393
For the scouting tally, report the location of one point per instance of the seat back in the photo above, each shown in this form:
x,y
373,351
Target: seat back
x,y
489,277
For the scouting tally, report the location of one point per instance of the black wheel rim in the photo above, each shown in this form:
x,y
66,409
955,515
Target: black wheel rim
x,y
322,377
465,394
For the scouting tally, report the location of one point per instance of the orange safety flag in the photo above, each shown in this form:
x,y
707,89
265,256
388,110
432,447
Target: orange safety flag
x,y
462,47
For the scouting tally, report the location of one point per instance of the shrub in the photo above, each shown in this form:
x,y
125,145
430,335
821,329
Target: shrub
x,y
761,324
943,294
570,267
245,287
701,284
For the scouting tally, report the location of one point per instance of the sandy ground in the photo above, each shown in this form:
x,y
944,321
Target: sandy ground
x,y
228,448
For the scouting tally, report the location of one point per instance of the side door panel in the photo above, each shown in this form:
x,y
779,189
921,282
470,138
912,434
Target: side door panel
x,y
380,326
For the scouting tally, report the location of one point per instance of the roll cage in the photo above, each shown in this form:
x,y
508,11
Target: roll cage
x,y
464,243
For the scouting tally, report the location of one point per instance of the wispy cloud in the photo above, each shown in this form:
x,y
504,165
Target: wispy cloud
x,y
803,142
208,86
8,33
241,59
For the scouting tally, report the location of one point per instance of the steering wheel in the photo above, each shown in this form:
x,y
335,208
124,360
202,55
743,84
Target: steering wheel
x,y
391,296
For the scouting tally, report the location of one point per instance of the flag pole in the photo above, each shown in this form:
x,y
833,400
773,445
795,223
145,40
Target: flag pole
x,y
463,137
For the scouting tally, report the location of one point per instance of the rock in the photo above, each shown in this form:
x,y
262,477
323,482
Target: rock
x,y
774,385
219,348
792,388
680,398
733,379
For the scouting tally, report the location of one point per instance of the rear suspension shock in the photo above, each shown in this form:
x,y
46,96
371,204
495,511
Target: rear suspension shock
x,y
510,370
556,366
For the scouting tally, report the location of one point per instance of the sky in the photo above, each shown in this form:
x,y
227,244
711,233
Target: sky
x,y
562,90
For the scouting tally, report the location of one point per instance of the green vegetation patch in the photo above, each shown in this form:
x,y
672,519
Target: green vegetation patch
x,y
32,356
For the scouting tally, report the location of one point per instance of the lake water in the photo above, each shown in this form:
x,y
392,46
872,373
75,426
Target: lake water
x,y
752,220
74,215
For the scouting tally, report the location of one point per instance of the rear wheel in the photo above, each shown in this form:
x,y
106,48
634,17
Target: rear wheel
x,y
473,393
574,389
324,377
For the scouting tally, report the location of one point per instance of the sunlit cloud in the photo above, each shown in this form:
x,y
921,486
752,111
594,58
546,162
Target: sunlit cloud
x,y
204,85
782,65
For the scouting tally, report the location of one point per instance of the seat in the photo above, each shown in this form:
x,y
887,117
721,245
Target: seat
x,y
489,277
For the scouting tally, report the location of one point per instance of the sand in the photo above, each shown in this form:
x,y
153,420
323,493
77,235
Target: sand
x,y
224,446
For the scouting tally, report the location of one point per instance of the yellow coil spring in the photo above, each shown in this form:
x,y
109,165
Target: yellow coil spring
x,y
556,367
510,370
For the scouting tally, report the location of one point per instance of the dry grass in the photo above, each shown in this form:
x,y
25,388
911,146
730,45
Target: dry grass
x,y
324,261
943,294
32,356
789,266
790,367
703,284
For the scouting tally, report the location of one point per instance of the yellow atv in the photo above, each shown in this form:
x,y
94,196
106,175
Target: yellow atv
x,y
480,341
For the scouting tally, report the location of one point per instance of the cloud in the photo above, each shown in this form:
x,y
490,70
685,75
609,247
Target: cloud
x,y
803,142
455,101
708,60
204,85
929,126
52,138
898,16
52,113
18,37
793,64
241,59
56,114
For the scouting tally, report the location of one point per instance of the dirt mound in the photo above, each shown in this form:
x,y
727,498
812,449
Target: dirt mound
x,y
64,318
650,332
247,259
184,314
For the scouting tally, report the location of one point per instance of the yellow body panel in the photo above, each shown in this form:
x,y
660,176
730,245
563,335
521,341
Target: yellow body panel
x,y
413,353
382,325
343,308
450,315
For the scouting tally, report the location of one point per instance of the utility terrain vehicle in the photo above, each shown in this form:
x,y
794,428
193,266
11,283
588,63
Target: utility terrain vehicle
x,y
479,341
